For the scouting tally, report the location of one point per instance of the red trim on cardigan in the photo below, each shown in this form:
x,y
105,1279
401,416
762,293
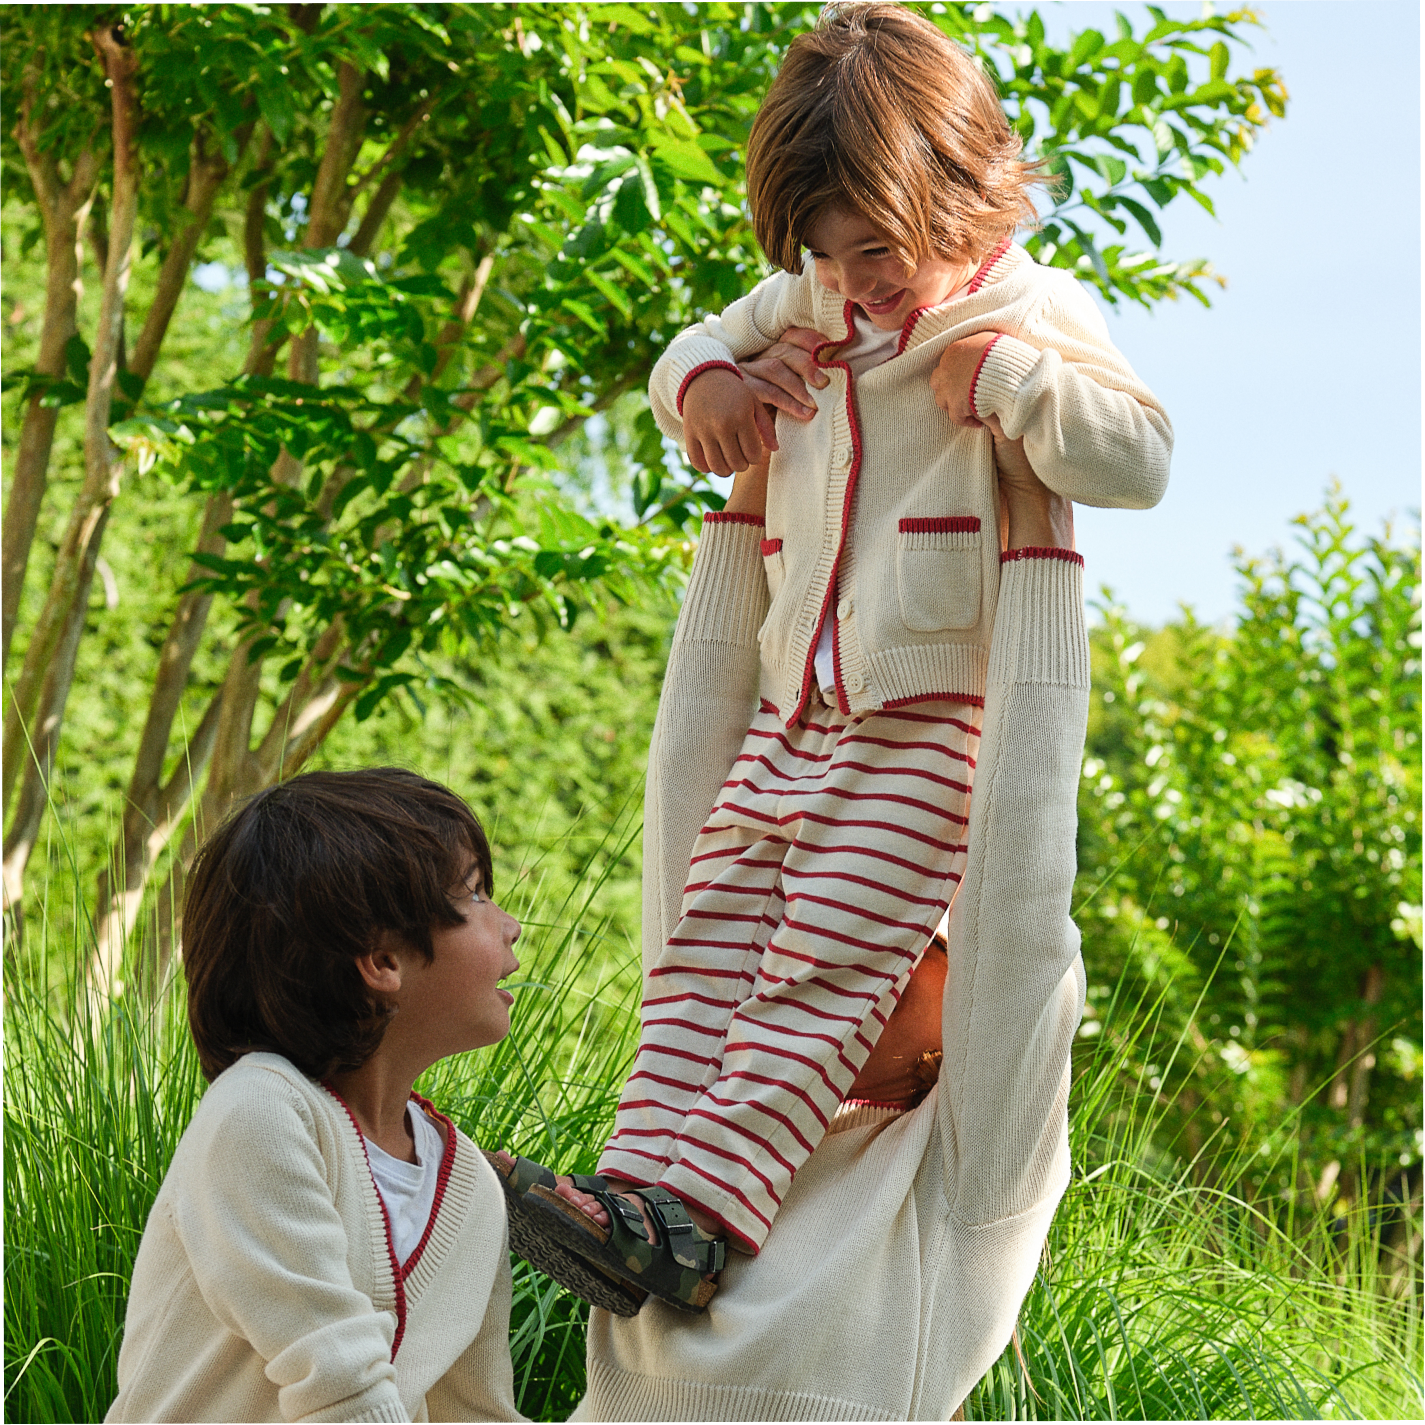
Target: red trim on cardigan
x,y
941,524
1033,551
397,1276
727,517
698,371
447,1162
771,547
977,281
975,379
969,698
909,327
848,317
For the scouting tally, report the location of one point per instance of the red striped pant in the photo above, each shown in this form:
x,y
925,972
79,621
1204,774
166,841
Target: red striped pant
x,y
828,859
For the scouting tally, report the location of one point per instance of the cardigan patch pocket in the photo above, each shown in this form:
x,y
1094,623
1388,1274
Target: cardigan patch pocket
x,y
772,562
938,572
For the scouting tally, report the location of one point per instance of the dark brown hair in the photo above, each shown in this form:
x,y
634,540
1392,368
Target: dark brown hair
x,y
879,110
294,887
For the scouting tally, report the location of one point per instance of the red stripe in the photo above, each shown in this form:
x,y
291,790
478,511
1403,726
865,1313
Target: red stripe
x,y
671,1053
769,1027
728,517
398,1281
771,1113
861,913
869,854
984,270
714,1033
866,881
770,547
1038,551
840,966
895,798
754,1078
979,366
749,1046
690,995
867,767
698,371
736,1158
973,699
925,717
940,524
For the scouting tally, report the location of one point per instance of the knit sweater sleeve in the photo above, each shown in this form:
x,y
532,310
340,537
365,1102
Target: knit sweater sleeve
x,y
708,700
258,1221
1015,990
751,324
1092,430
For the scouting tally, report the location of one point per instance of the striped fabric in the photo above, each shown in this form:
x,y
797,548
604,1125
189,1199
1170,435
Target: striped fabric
x,y
827,861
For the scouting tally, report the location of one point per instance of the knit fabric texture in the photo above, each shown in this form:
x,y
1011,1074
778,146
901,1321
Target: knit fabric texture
x,y
900,1256
913,606
265,1287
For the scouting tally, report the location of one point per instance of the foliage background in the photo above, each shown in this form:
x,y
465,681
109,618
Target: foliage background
x,y
1250,840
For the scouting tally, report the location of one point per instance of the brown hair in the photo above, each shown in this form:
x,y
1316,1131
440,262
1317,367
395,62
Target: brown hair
x,y
877,109
294,887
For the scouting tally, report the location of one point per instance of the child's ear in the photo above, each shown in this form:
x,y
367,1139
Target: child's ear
x,y
380,969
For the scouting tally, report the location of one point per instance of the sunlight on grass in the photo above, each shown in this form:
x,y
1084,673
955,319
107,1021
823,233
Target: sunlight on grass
x,y
1163,1295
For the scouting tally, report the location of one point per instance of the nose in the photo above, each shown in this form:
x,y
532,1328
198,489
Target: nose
x,y
857,281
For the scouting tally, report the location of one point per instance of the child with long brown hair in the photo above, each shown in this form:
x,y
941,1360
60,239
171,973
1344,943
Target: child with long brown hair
x,y
869,394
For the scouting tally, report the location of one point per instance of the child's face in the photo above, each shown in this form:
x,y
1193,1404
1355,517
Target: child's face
x,y
456,997
854,261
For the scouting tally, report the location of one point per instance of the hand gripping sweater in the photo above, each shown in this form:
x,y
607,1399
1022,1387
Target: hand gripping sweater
x,y
894,1272
881,512
265,1286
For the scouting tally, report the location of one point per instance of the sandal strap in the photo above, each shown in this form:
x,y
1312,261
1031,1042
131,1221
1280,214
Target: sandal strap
x,y
526,1173
676,1229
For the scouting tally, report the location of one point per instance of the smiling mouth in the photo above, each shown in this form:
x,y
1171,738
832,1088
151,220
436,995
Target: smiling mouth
x,y
885,304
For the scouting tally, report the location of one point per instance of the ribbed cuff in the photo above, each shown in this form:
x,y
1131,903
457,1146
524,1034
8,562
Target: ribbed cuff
x,y
1005,368
689,354
727,595
1039,634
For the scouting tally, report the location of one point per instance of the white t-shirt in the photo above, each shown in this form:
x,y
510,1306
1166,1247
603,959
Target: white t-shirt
x,y
408,1189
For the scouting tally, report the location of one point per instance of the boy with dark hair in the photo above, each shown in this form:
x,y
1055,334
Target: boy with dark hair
x,y
326,1245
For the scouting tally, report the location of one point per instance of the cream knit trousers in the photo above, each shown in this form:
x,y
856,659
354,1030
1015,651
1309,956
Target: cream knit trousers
x,y
828,859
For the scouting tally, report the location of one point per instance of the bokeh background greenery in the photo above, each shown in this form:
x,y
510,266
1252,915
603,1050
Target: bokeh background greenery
x,y
1243,1233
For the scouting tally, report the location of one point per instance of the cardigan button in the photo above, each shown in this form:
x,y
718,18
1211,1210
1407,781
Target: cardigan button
x,y
843,609
855,683
843,457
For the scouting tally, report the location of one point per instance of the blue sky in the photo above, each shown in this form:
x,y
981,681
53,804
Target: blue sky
x,y
1308,365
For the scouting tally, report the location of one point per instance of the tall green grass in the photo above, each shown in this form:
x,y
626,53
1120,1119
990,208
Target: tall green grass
x,y
1160,1297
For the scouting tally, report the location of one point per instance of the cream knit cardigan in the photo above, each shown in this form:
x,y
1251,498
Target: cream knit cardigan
x,y
265,1287
881,504
896,1268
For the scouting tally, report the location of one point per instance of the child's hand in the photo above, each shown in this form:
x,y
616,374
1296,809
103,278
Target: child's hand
x,y
955,374
780,375
728,425
725,426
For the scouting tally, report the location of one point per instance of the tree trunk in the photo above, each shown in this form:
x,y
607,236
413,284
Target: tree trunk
x,y
1365,1060
151,810
37,712
63,209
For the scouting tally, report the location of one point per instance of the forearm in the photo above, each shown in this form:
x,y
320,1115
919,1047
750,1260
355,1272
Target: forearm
x,y
1014,992
1094,431
708,699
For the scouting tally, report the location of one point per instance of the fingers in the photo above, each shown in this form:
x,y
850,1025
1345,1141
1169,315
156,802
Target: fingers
x,y
781,395
805,338
766,429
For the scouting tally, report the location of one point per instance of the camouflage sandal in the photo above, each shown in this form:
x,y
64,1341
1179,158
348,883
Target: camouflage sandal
x,y
672,1269
530,1240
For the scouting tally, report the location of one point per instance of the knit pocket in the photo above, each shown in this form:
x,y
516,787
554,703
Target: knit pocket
x,y
772,561
938,572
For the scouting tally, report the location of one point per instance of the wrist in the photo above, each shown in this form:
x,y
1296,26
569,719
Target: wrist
x,y
749,491
1039,519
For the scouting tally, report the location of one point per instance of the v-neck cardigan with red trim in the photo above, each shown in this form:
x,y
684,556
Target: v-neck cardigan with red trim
x,y
882,514
265,1286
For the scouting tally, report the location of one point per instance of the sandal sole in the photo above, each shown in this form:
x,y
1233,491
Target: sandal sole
x,y
571,1270
566,1224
